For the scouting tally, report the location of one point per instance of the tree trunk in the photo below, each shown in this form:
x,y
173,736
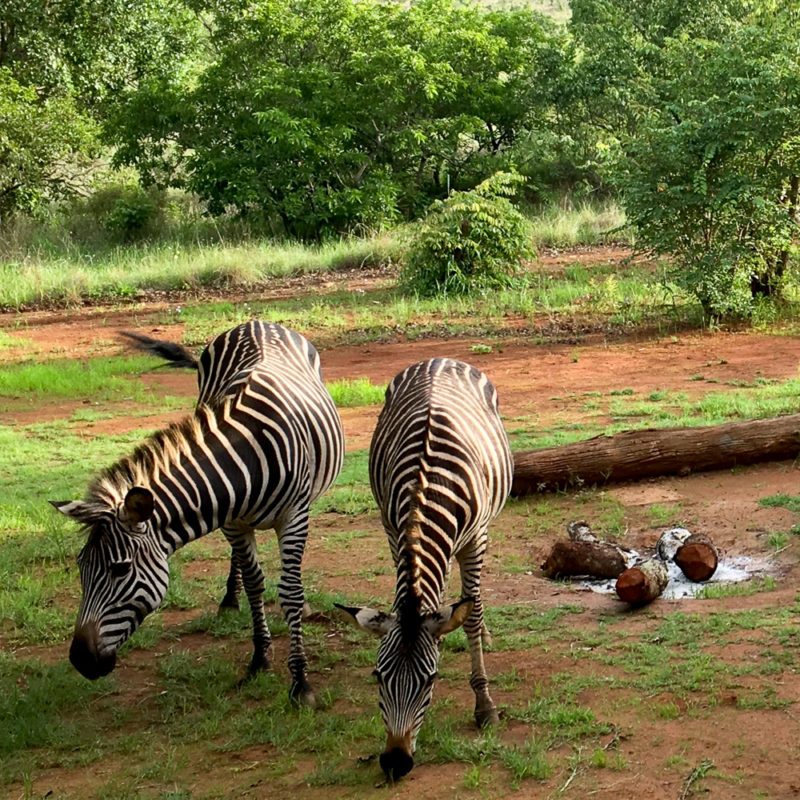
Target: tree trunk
x,y
697,557
645,453
643,583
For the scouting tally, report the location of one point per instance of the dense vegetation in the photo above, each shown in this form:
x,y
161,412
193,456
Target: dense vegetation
x,y
314,118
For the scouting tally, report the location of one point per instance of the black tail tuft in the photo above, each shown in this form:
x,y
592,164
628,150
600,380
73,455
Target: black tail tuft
x,y
177,355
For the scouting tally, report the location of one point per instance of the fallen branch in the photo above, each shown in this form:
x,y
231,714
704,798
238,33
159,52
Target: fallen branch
x,y
585,554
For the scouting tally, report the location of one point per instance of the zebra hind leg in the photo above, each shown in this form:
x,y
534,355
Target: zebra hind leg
x,y
233,587
292,541
245,558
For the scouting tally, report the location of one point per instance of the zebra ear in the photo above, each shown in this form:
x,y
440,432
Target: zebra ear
x,y
83,512
138,505
448,618
368,619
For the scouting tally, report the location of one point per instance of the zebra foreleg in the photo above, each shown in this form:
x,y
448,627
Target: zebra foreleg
x,y
474,628
233,587
292,542
245,558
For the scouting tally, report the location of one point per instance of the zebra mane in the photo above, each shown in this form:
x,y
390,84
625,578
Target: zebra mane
x,y
156,454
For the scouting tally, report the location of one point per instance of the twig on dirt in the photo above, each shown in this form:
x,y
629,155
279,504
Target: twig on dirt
x,y
610,786
571,777
615,739
698,773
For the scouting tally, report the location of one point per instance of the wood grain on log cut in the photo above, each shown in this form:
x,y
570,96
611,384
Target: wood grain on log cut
x,y
697,557
640,454
643,583
600,559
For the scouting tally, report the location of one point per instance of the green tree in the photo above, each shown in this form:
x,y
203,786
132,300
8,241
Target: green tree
x,y
712,177
65,66
42,145
328,114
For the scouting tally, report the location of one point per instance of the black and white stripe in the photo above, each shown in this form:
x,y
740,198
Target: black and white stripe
x,y
440,470
264,442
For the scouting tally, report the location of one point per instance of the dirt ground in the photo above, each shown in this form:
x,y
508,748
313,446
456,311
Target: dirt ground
x,y
540,384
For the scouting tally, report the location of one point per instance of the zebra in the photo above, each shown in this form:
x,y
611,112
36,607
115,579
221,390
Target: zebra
x,y
264,441
440,468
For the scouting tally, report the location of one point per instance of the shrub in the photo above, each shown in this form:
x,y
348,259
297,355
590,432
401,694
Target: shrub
x,y
472,241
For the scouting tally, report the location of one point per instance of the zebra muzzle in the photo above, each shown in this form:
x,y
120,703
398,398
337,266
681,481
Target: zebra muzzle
x,y
84,654
398,757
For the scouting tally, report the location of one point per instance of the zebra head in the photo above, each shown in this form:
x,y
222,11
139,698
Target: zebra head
x,y
408,660
124,576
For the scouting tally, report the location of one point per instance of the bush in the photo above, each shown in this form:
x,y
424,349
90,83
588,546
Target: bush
x,y
472,241
130,214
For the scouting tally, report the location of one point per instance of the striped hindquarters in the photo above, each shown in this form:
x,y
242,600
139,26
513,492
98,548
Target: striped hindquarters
x,y
228,360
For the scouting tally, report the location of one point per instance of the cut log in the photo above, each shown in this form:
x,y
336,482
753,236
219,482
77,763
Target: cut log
x,y
599,559
643,583
697,557
640,454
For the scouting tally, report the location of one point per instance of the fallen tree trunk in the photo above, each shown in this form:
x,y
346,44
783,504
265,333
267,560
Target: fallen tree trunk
x,y
697,557
640,454
643,583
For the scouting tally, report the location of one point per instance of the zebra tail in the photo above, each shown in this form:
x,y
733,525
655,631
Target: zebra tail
x,y
176,354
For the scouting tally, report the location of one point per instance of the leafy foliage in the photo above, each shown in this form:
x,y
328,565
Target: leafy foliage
x,y
712,177
64,65
41,143
333,114
472,241
695,109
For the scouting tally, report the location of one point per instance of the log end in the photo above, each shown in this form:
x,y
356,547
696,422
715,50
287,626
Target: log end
x,y
697,560
632,586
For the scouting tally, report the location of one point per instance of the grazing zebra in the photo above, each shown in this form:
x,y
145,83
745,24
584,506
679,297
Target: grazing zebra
x,y
440,469
263,443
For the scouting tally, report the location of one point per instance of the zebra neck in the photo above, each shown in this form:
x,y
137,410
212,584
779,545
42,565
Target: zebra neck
x,y
181,467
422,570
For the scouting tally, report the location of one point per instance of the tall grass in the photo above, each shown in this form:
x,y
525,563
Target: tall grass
x,y
60,272
43,277
567,224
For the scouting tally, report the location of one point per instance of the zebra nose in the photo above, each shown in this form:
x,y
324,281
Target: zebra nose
x,y
396,763
84,656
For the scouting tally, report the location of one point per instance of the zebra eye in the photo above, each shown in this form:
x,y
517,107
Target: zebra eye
x,y
120,568
376,675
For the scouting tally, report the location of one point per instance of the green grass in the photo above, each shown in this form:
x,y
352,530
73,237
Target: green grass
x,y
627,412
351,392
8,341
569,224
96,379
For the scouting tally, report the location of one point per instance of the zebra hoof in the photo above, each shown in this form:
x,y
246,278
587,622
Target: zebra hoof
x,y
228,605
259,663
487,717
303,695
